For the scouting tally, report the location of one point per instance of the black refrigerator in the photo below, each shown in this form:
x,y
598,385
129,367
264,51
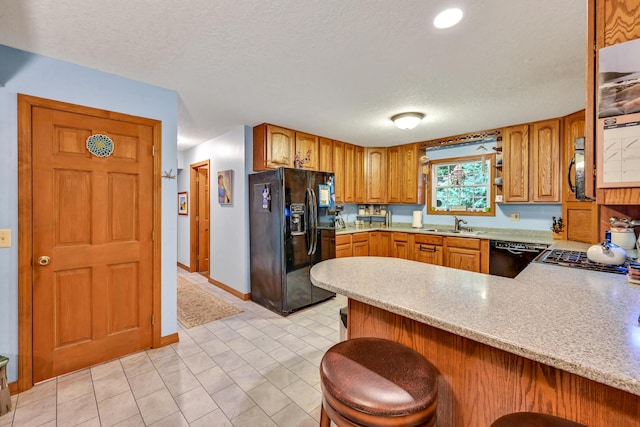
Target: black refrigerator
x,y
287,236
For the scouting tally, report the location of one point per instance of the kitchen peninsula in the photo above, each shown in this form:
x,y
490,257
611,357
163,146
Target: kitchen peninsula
x,y
554,339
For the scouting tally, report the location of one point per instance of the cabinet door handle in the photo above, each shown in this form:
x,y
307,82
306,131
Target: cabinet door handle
x,y
424,248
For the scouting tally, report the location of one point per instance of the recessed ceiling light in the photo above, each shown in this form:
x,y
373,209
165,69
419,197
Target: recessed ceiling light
x,y
448,18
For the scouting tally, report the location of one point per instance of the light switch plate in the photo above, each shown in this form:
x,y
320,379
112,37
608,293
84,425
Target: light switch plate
x,y
5,238
514,216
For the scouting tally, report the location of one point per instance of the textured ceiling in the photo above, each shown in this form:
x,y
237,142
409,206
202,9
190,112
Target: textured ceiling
x,y
335,68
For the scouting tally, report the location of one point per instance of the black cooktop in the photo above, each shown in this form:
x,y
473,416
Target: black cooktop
x,y
578,259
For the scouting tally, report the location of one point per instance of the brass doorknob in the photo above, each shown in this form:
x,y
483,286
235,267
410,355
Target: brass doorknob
x,y
44,260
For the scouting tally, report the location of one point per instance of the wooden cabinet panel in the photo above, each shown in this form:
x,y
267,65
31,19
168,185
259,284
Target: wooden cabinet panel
x,y
338,170
430,254
545,161
610,22
410,180
328,244
273,147
349,173
360,244
379,243
400,245
394,175
307,151
325,157
465,254
343,246
360,188
462,259
515,146
376,175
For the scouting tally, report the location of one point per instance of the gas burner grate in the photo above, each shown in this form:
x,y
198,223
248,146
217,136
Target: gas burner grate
x,y
578,259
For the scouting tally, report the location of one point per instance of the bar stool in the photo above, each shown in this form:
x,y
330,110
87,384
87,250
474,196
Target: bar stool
x,y
377,382
533,419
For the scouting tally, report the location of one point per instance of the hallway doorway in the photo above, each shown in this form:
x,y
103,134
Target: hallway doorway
x,y
199,221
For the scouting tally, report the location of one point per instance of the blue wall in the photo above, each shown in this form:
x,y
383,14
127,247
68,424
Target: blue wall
x,y
30,74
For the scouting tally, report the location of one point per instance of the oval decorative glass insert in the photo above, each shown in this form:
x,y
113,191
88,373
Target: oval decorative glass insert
x,y
100,145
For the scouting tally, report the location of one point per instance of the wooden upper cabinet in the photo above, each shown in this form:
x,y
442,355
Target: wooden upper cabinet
x,y
338,170
273,147
376,174
360,188
545,161
411,182
325,156
403,175
394,175
515,169
349,173
307,151
531,163
610,22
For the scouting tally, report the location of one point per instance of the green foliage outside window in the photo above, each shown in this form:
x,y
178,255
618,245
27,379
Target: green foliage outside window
x,y
461,185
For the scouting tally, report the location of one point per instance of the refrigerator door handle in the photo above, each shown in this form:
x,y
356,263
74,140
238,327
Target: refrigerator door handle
x,y
309,216
314,204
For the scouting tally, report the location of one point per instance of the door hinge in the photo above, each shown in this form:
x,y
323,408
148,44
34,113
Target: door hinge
x,y
197,218
197,179
153,236
153,319
153,150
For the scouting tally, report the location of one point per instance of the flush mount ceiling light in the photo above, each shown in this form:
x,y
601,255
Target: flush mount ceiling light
x,y
407,120
447,18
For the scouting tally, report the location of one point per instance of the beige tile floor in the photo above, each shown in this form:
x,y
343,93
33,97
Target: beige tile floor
x,y
253,369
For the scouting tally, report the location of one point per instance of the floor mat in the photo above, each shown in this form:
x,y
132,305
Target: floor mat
x,y
197,306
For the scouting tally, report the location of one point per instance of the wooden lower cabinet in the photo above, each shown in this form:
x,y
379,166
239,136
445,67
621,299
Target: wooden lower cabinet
x,y
379,243
479,383
360,244
328,244
400,245
343,246
428,249
463,253
466,253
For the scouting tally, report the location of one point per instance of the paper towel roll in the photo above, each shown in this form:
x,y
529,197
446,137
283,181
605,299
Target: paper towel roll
x,y
417,219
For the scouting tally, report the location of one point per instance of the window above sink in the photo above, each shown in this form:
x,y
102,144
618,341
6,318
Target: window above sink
x,y
461,185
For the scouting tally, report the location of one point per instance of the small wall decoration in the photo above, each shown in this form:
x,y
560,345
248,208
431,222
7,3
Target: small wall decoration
x,y
100,145
183,203
224,187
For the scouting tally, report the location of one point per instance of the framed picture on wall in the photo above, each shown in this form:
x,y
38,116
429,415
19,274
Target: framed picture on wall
x,y
224,187
183,203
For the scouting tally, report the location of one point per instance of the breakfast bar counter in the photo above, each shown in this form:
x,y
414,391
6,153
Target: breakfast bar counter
x,y
554,339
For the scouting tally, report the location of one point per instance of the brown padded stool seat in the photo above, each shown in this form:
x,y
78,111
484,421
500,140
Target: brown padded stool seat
x,y
377,382
533,419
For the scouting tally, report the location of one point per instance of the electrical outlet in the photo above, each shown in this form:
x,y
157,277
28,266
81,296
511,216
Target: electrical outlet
x,y
514,216
5,238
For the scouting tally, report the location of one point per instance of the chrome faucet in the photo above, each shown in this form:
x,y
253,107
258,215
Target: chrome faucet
x,y
457,223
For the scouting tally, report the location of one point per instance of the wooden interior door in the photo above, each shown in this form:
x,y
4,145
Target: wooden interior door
x,y
203,218
92,216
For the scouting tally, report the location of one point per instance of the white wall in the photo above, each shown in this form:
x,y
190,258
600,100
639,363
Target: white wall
x,y
30,74
229,226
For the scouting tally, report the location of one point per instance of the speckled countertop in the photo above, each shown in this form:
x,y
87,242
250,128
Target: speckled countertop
x,y
580,321
513,235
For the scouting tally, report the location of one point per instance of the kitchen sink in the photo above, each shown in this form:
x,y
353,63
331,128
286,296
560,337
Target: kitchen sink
x,y
449,231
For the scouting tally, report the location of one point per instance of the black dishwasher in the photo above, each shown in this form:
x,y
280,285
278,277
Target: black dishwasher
x,y
507,259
